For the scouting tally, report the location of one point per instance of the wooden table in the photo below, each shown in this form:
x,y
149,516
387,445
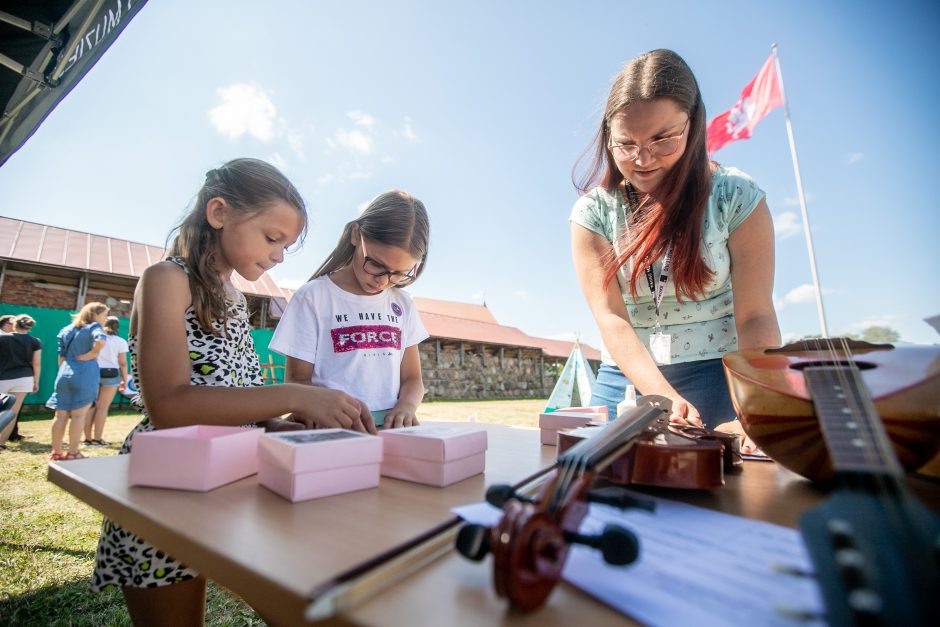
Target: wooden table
x,y
273,553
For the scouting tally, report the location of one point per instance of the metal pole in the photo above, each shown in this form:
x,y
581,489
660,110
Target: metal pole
x,y
799,190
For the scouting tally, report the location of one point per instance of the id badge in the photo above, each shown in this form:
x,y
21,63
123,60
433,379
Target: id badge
x,y
661,348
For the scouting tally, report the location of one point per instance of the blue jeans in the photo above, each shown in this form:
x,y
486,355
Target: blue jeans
x,y
702,383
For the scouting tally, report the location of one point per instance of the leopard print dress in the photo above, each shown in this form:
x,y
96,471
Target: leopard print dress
x,y
228,360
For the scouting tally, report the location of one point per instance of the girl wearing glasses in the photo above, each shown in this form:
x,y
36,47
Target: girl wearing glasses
x,y
350,327
689,242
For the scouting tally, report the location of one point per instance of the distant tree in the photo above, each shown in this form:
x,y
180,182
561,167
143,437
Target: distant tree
x,y
874,334
880,334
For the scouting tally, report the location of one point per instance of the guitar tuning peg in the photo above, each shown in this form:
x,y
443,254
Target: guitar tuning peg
x,y
473,542
618,546
497,495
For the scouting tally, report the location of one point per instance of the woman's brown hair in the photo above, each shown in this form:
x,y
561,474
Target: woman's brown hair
x,y
674,210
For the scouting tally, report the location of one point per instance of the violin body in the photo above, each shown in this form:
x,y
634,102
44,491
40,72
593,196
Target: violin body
x,y
668,457
774,405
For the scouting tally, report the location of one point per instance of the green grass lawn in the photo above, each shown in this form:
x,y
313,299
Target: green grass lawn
x,y
48,537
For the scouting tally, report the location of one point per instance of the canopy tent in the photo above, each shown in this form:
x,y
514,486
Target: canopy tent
x,y
46,47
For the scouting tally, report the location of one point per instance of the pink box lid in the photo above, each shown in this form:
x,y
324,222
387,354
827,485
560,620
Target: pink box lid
x,y
568,419
311,485
433,473
319,449
435,443
203,456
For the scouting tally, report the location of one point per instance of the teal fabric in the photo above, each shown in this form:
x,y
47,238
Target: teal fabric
x,y
379,417
702,329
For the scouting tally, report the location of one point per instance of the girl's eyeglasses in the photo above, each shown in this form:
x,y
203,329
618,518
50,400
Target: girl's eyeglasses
x,y
376,269
659,148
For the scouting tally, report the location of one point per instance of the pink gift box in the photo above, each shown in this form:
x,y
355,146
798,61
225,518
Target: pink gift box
x,y
200,458
568,418
301,465
313,485
437,455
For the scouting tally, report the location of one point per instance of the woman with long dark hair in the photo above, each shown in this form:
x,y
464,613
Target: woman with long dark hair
x,y
689,242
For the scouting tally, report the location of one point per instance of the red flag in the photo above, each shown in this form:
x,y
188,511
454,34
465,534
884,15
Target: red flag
x,y
760,96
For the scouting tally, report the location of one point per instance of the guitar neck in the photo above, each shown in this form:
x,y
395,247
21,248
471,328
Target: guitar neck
x,y
853,431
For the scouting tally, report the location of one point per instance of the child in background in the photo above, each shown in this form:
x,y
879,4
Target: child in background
x,y
112,368
76,384
351,327
194,362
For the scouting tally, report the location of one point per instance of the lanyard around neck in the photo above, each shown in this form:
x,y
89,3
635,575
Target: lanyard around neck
x,y
657,288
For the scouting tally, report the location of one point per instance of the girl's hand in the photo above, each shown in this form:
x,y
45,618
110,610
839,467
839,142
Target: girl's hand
x,y
400,417
323,408
683,412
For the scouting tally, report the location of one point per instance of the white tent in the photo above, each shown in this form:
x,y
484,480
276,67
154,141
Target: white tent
x,y
577,372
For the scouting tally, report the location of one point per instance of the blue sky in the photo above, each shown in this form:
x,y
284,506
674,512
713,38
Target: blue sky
x,y
481,109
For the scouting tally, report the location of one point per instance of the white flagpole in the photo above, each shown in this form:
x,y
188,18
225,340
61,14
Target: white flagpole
x,y
799,190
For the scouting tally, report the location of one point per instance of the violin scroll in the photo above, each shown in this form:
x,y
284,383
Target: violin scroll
x,y
531,541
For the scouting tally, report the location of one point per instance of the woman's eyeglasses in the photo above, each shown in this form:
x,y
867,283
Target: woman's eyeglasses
x,y
659,148
376,269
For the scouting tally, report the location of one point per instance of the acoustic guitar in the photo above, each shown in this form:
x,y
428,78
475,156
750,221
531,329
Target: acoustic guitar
x,y
875,548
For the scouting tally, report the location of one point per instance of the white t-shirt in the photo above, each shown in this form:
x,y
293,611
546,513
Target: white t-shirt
x,y
355,343
114,345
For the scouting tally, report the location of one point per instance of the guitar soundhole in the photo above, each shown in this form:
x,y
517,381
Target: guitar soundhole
x,y
861,365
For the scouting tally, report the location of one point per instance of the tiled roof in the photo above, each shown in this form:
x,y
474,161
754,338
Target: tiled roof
x,y
51,246
48,245
466,311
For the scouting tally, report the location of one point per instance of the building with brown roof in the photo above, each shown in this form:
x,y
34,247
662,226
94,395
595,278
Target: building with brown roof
x,y
48,271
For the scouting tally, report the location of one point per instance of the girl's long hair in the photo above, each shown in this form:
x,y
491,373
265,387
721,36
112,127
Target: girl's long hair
x,y
395,218
248,186
674,210
87,314
111,325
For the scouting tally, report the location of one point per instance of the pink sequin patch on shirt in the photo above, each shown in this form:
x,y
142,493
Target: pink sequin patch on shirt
x,y
365,337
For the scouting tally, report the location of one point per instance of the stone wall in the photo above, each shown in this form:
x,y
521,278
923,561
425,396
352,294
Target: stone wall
x,y
453,370
35,289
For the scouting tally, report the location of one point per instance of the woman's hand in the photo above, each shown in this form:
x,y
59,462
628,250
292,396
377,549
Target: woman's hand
x,y
323,408
401,416
683,412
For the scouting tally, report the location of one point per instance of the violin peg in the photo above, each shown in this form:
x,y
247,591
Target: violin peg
x,y
497,495
618,546
473,542
620,498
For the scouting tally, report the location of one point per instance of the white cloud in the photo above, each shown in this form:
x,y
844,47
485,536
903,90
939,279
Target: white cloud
x,y
787,224
353,141
361,118
794,201
480,296
854,157
408,132
521,294
805,293
296,141
245,109
278,161
569,336
884,320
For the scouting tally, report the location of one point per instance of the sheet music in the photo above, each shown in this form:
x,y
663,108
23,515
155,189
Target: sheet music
x,y
696,567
